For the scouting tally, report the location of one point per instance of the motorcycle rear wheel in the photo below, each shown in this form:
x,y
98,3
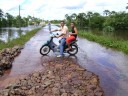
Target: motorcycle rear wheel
x,y
74,50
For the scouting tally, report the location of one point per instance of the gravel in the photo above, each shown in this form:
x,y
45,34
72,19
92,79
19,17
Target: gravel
x,y
61,77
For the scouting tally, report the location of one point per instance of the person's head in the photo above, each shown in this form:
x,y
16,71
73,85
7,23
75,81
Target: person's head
x,y
62,23
73,24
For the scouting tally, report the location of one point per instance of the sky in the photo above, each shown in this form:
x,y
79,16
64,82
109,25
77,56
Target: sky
x,y
56,9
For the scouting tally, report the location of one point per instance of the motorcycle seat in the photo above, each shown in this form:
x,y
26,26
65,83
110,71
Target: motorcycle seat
x,y
74,41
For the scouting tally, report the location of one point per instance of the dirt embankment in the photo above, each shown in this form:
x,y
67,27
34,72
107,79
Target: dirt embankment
x,y
61,77
7,56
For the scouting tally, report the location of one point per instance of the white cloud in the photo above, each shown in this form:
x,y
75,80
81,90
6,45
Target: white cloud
x,y
8,4
56,9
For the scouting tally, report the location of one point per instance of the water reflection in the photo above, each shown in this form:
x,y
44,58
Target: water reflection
x,y
8,34
119,35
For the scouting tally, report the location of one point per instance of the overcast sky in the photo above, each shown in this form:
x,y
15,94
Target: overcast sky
x,y
56,9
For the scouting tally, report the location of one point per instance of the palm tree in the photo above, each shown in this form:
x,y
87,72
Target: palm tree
x,y
106,12
1,13
74,16
1,16
89,15
80,19
96,14
113,12
127,6
10,19
68,18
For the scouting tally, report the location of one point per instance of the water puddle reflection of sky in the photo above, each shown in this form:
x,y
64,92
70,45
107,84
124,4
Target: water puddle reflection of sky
x,y
8,34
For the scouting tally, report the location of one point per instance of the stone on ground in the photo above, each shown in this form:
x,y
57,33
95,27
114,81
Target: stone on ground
x,y
60,78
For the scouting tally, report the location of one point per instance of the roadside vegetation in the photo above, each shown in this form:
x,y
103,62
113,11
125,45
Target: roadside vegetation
x,y
19,41
92,20
8,20
107,24
108,42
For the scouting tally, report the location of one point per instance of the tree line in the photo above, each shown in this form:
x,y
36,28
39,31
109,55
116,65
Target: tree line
x,y
110,20
8,20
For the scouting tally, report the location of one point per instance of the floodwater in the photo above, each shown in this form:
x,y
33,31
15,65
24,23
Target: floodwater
x,y
119,35
111,66
10,33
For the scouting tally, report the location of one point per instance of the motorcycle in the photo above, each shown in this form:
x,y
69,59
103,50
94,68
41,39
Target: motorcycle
x,y
50,45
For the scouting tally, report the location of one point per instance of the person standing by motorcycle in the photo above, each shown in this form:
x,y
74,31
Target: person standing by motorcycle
x,y
63,36
49,26
72,36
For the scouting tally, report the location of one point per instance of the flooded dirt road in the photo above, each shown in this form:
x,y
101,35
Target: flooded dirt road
x,y
111,66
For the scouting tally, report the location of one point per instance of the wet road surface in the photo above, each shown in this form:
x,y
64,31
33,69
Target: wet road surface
x,y
111,66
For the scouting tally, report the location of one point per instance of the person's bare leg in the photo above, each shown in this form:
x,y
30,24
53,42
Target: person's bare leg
x,y
69,47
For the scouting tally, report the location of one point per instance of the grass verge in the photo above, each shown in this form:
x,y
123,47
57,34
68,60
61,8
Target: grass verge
x,y
108,42
19,41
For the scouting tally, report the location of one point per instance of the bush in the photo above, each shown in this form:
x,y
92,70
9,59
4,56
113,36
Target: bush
x,y
108,29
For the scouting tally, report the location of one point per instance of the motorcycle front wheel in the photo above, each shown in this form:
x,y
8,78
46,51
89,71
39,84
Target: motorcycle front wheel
x,y
44,50
74,50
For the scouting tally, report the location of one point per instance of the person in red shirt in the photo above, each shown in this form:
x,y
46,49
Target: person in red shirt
x,y
72,36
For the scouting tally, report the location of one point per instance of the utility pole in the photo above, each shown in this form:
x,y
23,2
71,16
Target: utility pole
x,y
19,10
1,14
19,18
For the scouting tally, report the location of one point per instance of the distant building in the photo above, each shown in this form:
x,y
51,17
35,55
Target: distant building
x,y
42,23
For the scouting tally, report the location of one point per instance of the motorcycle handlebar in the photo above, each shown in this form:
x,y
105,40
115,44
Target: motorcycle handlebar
x,y
53,35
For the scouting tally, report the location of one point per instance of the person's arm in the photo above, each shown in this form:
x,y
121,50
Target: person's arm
x,y
56,30
76,32
63,33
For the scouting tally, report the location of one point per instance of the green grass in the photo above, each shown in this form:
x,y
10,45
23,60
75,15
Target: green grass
x,y
1,42
108,42
19,41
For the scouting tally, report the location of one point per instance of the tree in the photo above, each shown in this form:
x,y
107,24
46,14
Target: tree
x,y
1,13
68,19
37,21
4,22
106,12
81,20
114,20
26,21
74,16
119,21
97,21
96,14
89,15
127,6
18,21
10,19
55,21
113,13
1,16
